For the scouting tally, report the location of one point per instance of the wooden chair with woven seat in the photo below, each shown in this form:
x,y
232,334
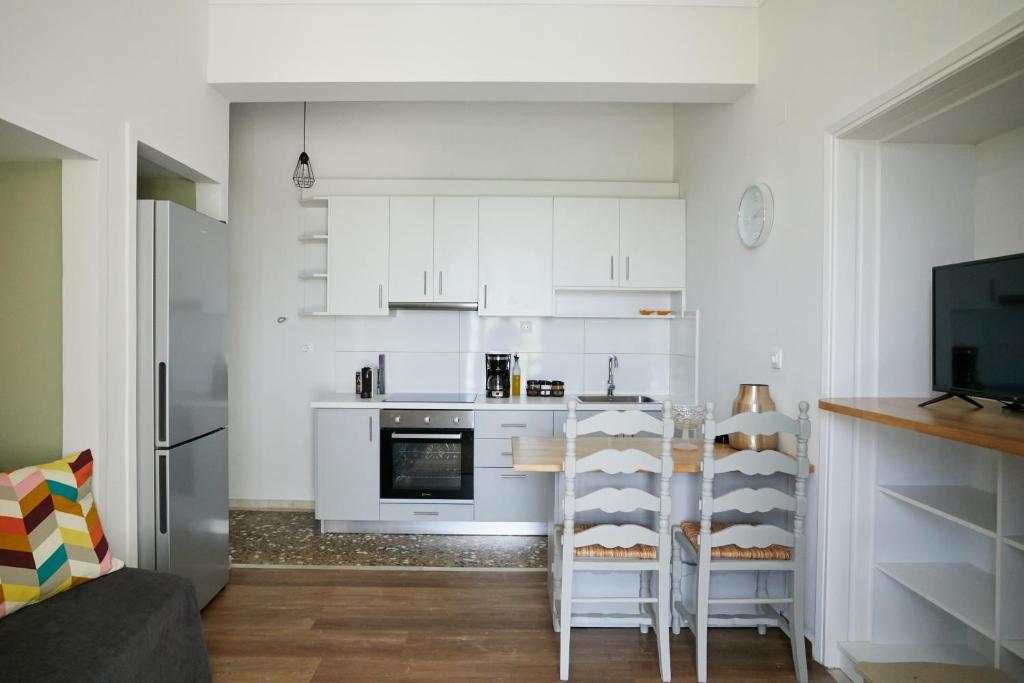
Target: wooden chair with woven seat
x,y
606,547
712,545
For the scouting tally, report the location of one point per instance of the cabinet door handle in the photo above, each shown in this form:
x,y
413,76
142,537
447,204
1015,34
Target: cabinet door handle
x,y
424,513
508,453
440,283
627,267
485,296
424,283
370,424
612,261
512,476
520,425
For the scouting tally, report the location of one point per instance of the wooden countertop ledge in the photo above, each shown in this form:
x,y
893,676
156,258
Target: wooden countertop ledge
x,y
988,427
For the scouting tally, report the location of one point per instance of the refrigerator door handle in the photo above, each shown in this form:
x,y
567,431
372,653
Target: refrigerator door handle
x,y
161,402
163,511
162,492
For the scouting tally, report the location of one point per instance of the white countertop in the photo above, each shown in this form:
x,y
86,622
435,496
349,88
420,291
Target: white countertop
x,y
481,403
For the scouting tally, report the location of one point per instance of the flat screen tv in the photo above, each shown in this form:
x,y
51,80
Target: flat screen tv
x,y
978,330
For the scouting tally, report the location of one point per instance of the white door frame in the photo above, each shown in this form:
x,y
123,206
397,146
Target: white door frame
x,y
849,349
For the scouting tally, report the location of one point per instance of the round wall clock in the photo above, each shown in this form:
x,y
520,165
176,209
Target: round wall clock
x,y
755,214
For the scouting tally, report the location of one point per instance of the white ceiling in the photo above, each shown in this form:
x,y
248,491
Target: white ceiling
x,y
19,144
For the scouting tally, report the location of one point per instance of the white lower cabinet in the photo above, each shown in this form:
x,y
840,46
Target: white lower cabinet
x,y
504,495
500,493
426,512
348,464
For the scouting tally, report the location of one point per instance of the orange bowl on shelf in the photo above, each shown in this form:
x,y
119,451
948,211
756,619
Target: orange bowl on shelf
x,y
664,312
646,311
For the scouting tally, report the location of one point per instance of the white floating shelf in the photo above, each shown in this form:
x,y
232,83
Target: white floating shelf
x,y
623,316
969,507
943,653
960,589
1015,646
1015,542
313,238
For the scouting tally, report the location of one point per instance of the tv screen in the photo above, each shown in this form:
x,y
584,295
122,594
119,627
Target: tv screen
x,y
978,328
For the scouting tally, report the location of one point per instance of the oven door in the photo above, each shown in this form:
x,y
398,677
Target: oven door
x,y
426,464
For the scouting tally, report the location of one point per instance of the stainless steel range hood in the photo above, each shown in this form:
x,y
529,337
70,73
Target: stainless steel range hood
x,y
432,305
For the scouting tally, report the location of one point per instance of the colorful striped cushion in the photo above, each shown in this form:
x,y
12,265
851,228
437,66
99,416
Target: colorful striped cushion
x,y
50,533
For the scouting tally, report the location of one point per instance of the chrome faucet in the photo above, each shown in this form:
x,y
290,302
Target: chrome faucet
x,y
613,362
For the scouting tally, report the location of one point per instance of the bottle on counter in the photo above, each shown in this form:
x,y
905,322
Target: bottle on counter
x,y
517,376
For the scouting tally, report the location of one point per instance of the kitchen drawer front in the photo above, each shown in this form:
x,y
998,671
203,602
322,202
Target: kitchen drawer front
x,y
492,453
561,416
502,495
504,424
425,512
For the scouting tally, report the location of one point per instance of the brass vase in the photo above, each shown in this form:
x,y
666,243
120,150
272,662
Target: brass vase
x,y
753,398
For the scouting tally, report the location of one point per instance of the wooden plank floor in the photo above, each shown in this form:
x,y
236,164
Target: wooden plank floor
x,y
352,625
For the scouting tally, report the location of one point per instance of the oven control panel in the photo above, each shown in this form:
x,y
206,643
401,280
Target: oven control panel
x,y
437,419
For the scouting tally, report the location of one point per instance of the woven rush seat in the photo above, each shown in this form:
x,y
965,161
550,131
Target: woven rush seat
x,y
733,552
635,552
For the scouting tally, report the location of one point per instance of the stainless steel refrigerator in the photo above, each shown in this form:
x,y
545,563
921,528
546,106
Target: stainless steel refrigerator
x,y
183,395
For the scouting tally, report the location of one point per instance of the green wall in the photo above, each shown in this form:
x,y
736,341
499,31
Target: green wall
x,y
178,190
31,401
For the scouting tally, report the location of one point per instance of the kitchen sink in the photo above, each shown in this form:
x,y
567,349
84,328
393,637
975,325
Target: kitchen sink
x,y
624,398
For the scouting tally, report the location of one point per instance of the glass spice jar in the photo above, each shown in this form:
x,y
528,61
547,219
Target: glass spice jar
x,y
533,387
557,388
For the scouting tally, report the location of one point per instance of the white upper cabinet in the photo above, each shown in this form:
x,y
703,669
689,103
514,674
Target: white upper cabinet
x,y
586,242
515,256
411,271
357,256
652,243
455,248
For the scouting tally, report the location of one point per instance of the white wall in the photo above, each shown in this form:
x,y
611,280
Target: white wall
x,y
482,50
818,63
999,196
98,77
273,379
926,211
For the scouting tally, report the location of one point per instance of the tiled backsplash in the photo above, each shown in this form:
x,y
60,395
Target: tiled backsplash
x,y
443,351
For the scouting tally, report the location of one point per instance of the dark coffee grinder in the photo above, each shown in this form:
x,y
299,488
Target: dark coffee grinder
x,y
499,379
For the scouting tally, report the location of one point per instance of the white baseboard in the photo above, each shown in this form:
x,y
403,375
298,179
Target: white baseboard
x,y
284,505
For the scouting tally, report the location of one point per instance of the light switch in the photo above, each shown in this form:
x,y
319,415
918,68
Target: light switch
x,y
306,348
526,326
776,357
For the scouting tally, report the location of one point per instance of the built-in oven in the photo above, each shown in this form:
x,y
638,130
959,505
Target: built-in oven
x,y
426,455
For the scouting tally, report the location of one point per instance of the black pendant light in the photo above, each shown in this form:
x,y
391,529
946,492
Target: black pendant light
x,y
303,176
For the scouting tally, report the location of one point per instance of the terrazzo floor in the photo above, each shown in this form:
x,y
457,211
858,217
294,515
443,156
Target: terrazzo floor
x,y
294,538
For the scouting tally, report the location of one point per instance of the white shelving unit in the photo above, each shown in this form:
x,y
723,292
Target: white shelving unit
x,y
945,653
964,505
959,589
1015,646
942,572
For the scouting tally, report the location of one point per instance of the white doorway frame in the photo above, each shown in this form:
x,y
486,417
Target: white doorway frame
x,y
849,350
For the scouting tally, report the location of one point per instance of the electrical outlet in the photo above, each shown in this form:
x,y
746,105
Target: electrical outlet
x,y
306,348
776,357
526,326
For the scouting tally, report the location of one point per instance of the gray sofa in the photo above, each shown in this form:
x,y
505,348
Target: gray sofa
x,y
131,625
